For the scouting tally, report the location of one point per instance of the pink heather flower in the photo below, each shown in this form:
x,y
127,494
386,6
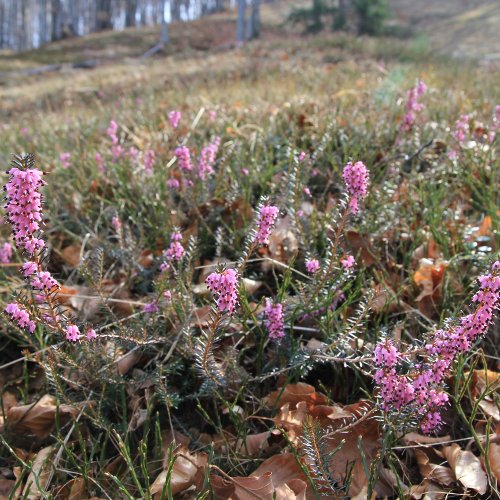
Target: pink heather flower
x,y
225,286
149,160
356,178
212,115
207,159
300,213
168,295
312,266
44,281
29,268
302,155
274,319
245,171
420,390
184,158
151,308
117,151
412,105
112,131
461,128
174,117
100,163
24,207
176,250
91,334
133,153
307,191
5,253
72,333
173,183
348,262
65,159
386,355
267,217
19,315
116,223
24,131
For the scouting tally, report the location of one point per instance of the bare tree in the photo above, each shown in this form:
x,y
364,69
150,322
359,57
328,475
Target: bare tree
x,y
164,37
103,15
240,24
130,12
254,21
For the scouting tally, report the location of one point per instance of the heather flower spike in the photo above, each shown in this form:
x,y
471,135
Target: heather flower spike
x,y
267,217
274,319
225,286
420,391
357,179
24,214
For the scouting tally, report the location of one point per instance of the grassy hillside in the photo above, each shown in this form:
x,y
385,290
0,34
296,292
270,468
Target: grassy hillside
x,y
176,397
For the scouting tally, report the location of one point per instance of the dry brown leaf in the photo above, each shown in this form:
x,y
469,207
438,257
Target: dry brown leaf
x,y
483,384
494,459
467,468
362,248
6,487
439,473
427,490
39,418
415,438
283,244
253,444
37,478
188,470
127,361
295,393
429,277
71,255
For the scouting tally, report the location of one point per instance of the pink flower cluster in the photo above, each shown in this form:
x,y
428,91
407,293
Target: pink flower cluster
x,y
100,163
5,253
24,213
348,262
18,314
274,319
356,178
207,159
312,266
24,207
225,286
461,128
116,148
412,105
65,159
174,117
184,158
267,217
149,160
420,390
174,252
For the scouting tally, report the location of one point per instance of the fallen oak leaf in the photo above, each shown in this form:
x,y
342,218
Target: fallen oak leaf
x,y
439,473
188,470
467,468
39,418
295,393
39,475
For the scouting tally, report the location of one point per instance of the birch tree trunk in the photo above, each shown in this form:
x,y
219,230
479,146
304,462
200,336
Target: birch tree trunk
x,y
240,26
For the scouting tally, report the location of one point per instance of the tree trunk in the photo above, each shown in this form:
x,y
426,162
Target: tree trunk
x,y
164,38
240,26
254,21
103,15
130,10
42,22
56,18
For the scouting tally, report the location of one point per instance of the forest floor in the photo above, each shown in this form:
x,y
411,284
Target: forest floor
x,y
176,397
